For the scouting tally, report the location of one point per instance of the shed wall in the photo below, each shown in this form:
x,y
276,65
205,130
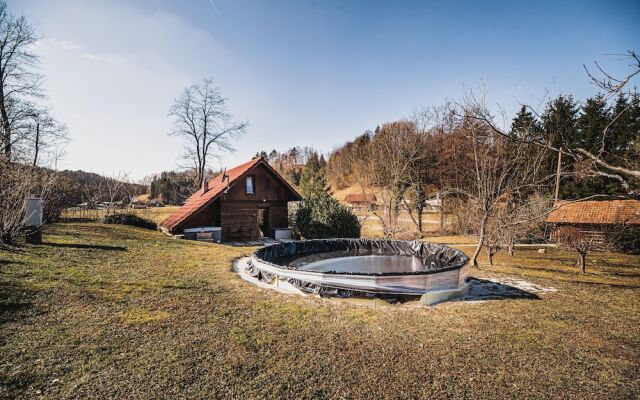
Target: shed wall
x,y
239,218
266,187
209,216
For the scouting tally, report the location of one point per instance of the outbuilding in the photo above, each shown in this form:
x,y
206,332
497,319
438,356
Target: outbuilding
x,y
360,201
594,218
246,202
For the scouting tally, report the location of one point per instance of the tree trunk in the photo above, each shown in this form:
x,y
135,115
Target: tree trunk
x,y
482,233
420,199
36,145
582,263
490,252
6,127
442,215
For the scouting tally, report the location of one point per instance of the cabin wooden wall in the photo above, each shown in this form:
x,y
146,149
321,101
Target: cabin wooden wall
x,y
266,187
596,232
279,215
240,218
210,216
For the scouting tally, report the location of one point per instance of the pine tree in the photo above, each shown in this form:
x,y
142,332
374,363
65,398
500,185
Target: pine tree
x,y
262,154
559,129
593,120
313,182
526,126
624,130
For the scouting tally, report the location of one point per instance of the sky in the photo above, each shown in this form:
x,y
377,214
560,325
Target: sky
x,y
307,73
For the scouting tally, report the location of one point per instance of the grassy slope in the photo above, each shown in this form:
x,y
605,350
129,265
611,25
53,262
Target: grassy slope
x,y
156,214
115,312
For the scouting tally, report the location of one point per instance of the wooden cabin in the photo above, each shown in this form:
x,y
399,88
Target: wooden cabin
x,y
245,202
594,218
360,201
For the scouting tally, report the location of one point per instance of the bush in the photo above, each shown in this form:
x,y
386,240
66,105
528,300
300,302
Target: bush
x,y
17,182
129,219
625,239
324,217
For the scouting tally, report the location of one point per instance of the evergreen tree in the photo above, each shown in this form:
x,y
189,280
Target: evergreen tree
x,y
262,154
559,129
592,122
625,129
313,182
560,122
526,126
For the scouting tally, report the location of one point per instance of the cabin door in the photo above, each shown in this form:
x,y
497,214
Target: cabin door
x,y
264,222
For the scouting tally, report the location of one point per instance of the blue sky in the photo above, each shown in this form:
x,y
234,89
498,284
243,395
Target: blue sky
x,y
309,73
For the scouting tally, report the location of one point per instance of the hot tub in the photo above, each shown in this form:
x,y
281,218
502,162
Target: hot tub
x,y
204,233
388,269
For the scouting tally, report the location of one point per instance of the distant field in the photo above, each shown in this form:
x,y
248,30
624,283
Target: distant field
x,y
156,214
372,226
110,311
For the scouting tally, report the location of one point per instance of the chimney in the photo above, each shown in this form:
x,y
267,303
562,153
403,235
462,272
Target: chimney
x,y
205,186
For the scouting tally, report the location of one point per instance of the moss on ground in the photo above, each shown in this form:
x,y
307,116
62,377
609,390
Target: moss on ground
x,y
119,312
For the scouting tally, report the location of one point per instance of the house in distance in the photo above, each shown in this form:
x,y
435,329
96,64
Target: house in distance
x,y
246,202
595,218
360,201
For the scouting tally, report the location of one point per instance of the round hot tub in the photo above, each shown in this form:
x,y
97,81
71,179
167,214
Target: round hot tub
x,y
393,270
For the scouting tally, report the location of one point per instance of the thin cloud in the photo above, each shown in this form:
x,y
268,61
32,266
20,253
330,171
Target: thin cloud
x,y
214,7
104,58
58,44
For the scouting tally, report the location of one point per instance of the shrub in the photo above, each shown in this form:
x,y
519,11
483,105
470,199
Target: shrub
x,y
324,217
573,238
18,181
129,219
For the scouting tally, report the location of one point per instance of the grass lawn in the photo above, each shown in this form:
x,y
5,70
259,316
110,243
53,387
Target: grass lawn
x,y
155,214
106,311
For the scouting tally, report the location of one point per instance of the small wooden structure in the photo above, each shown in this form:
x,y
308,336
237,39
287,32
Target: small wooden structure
x,y
594,218
360,201
247,202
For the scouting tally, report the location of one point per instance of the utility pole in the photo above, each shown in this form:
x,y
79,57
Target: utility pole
x,y
558,175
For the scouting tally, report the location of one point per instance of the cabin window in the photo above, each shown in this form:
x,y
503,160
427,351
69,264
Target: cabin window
x,y
249,187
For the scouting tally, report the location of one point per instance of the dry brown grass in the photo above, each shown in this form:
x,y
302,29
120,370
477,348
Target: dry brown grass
x,y
155,214
107,311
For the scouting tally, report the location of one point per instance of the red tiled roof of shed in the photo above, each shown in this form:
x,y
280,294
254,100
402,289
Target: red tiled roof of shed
x,y
597,212
359,198
199,200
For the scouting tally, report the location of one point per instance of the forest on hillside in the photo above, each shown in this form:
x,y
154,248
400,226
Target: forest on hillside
x,y
497,182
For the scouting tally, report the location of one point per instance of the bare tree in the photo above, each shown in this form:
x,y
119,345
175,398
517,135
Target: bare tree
x,y
201,118
17,182
114,189
47,135
396,151
503,172
572,238
19,79
625,172
514,221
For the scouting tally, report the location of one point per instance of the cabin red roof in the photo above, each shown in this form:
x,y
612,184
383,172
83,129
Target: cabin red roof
x,y
200,199
597,212
355,198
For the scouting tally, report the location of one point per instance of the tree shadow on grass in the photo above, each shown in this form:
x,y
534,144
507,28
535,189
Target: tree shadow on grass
x,y
85,246
14,298
484,289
